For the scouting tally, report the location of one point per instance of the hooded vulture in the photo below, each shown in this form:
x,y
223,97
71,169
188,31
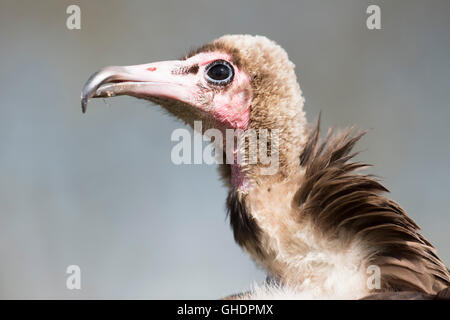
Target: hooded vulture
x,y
318,226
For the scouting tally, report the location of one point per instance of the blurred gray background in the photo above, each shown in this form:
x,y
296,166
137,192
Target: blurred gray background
x,y
99,190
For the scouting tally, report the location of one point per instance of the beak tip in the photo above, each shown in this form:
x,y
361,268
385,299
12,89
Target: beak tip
x,y
83,105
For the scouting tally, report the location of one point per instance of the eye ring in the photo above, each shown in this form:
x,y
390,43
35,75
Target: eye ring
x,y
219,72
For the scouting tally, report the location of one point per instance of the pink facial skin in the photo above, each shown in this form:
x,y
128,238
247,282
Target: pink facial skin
x,y
230,105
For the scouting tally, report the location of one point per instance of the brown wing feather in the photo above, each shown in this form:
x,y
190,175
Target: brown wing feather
x,y
337,198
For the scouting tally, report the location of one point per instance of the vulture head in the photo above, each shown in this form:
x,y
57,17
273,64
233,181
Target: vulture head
x,y
236,82
315,224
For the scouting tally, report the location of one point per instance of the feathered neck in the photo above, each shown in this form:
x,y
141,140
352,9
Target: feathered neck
x,y
341,208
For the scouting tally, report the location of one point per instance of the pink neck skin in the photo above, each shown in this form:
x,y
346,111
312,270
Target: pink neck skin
x,y
238,178
232,110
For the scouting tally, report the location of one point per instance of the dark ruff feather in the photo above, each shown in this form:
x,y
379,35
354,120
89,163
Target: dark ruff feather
x,y
245,230
344,204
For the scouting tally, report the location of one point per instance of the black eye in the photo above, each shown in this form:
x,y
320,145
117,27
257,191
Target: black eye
x,y
219,72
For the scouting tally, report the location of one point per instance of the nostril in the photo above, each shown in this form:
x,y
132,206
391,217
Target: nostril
x,y
193,69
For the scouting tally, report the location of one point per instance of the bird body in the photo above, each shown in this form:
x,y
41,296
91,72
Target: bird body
x,y
316,224
330,225
309,265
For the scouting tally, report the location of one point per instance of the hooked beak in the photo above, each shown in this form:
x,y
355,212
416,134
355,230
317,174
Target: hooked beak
x,y
159,80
